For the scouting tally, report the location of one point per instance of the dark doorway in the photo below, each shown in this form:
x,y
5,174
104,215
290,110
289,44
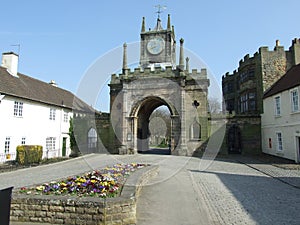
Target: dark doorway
x,y
64,146
234,140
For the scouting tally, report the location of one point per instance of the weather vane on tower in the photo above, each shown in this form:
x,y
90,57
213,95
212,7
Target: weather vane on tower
x,y
160,9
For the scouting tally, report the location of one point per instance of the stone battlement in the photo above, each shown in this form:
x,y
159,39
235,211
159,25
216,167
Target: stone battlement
x,y
166,72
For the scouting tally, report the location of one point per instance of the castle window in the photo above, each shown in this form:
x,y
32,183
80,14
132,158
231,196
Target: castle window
x,y
295,100
244,103
92,138
195,131
252,101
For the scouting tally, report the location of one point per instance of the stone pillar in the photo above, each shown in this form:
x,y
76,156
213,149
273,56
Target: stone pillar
x,y
175,134
135,134
125,67
182,142
181,55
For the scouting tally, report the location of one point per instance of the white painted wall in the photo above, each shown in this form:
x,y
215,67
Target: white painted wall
x,y
10,61
34,125
288,123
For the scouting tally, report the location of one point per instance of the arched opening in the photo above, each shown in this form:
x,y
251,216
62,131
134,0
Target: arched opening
x,y
155,124
160,131
92,139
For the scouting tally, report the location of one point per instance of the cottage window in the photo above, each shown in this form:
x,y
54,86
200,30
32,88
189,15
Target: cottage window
x,y
18,109
50,143
66,117
7,145
23,141
52,114
295,100
277,106
279,141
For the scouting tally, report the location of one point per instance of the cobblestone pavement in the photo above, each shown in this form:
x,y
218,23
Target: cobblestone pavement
x,y
235,190
227,192
289,176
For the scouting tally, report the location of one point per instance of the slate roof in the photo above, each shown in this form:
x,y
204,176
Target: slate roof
x,y
288,81
32,89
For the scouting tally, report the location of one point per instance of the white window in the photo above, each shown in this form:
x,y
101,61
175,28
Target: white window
x,y
18,109
52,114
7,145
295,100
279,141
92,138
277,106
66,117
23,141
50,143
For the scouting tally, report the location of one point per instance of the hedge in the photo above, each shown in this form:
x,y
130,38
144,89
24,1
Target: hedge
x,y
28,154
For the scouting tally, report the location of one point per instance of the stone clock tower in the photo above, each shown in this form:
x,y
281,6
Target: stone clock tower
x,y
158,45
159,81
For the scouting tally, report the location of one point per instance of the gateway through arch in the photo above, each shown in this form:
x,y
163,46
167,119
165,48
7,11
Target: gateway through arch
x,y
141,130
158,81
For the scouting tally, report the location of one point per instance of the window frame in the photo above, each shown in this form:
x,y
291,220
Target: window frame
x,y
92,138
279,141
7,145
50,143
18,108
277,110
23,141
66,117
52,115
292,100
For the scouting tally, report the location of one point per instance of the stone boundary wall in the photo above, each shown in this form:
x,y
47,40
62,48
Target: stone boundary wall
x,y
86,210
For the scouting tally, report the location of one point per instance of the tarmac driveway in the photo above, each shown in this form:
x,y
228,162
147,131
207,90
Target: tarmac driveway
x,y
225,192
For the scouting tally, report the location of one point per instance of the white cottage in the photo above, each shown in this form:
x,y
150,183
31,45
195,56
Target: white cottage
x,y
33,112
281,118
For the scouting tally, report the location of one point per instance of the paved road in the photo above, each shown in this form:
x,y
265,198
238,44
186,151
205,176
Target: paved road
x,y
227,192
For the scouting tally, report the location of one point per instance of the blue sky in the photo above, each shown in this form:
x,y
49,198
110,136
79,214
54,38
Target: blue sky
x,y
60,39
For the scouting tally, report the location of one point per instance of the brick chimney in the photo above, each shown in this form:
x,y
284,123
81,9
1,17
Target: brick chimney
x,y
10,61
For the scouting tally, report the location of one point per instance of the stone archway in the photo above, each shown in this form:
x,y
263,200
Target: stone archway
x,y
140,114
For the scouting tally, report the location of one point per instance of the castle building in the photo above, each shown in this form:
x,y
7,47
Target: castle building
x,y
243,94
158,81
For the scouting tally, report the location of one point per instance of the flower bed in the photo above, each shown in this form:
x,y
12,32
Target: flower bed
x,y
103,183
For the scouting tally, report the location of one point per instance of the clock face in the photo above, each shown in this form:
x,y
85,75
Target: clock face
x,y
155,45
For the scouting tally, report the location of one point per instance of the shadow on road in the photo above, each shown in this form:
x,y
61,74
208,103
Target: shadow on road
x,y
156,151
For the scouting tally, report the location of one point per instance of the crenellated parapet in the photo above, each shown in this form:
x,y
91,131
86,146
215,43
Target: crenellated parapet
x,y
129,75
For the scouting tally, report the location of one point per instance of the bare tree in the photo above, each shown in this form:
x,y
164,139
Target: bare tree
x,y
214,105
160,125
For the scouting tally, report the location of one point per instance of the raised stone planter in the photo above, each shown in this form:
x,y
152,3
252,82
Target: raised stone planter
x,y
86,210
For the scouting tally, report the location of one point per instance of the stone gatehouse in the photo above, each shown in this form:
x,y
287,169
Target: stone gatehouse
x,y
158,81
